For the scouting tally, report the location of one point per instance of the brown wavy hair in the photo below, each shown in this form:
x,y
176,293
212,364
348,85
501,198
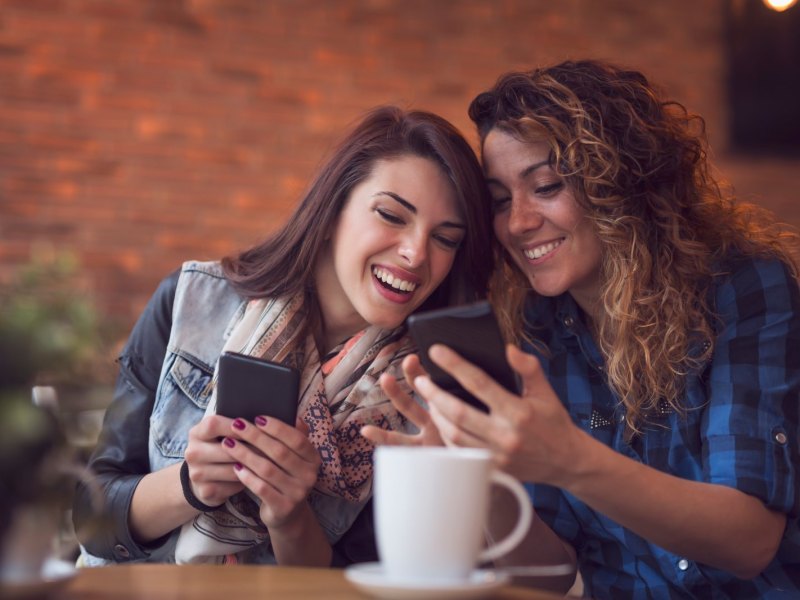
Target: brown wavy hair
x,y
283,264
638,165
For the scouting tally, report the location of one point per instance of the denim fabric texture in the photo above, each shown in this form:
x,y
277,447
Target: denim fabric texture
x,y
161,392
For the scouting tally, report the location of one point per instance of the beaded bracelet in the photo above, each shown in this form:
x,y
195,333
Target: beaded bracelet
x,y
193,500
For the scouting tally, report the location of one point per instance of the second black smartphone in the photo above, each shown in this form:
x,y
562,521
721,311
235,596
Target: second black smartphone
x,y
473,332
248,386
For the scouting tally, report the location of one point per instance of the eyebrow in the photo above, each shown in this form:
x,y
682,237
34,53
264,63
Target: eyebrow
x,y
522,174
410,207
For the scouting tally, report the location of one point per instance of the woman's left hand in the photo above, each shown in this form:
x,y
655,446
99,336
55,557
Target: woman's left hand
x,y
277,463
530,435
407,406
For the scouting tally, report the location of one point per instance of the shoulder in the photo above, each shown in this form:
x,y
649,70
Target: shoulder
x,y
205,280
205,302
753,283
202,269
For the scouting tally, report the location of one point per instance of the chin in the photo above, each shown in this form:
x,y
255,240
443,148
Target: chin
x,y
386,321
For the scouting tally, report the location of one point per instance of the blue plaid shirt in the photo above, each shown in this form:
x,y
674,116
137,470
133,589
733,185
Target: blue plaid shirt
x,y
741,429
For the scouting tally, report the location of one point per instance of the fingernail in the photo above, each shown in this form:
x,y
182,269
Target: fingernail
x,y
239,424
238,466
229,442
260,421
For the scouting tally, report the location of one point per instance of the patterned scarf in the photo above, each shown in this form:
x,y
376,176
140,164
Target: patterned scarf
x,y
336,399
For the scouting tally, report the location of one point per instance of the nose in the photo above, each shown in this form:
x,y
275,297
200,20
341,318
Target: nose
x,y
414,249
523,216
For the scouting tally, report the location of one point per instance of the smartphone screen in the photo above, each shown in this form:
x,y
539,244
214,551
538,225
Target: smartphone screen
x,y
248,386
473,332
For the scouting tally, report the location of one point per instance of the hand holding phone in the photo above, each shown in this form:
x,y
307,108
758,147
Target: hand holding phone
x,y
248,386
473,332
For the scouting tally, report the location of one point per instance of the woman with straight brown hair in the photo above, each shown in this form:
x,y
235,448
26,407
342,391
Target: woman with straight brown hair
x,y
397,219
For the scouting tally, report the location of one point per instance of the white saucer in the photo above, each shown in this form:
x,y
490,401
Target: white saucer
x,y
54,574
371,578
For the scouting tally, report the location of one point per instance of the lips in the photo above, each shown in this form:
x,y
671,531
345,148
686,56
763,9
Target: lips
x,y
393,281
541,251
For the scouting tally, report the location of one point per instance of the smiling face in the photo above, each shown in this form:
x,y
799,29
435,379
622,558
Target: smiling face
x,y
393,244
539,222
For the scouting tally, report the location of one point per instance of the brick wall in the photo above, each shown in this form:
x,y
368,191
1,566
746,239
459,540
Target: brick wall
x,y
141,133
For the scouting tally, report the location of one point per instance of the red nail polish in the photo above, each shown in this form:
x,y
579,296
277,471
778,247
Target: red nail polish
x,y
239,424
238,466
260,421
229,442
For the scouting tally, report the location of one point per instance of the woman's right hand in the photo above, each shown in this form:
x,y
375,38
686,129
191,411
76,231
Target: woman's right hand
x,y
407,406
211,473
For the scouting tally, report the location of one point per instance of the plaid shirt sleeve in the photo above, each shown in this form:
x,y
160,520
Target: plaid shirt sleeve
x,y
751,425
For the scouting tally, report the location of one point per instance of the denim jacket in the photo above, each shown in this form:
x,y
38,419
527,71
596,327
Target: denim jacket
x,y
201,317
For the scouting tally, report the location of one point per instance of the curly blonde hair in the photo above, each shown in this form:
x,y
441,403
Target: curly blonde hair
x,y
637,164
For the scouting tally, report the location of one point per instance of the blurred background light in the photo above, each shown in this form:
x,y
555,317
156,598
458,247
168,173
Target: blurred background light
x,y
780,5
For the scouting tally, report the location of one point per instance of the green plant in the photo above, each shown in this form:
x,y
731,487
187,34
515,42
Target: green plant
x,y
51,333
50,329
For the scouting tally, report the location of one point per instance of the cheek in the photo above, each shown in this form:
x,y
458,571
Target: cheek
x,y
442,263
500,226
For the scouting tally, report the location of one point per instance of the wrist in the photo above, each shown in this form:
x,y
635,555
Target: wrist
x,y
589,457
188,493
299,523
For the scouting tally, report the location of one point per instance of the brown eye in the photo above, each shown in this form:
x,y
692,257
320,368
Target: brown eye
x,y
500,204
389,217
549,189
447,242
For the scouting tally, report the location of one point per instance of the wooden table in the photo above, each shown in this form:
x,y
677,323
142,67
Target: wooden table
x,y
234,582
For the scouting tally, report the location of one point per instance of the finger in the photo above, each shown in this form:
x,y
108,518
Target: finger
x,y
213,484
210,428
403,402
454,410
472,378
452,434
287,476
528,368
277,505
380,437
412,368
275,439
261,487
213,473
206,452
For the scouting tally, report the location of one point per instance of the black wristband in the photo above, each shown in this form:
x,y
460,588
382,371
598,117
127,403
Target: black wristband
x,y
193,500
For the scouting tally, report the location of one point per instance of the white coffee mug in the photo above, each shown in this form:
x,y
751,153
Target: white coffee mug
x,y
431,510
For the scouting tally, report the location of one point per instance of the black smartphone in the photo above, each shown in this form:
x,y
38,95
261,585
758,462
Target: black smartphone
x,y
473,332
248,386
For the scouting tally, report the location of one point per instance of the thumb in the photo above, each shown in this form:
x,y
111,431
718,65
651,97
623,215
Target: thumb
x,y
528,367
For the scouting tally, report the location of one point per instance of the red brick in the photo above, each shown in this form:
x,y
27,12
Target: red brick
x,y
141,133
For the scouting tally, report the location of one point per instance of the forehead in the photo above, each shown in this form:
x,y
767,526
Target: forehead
x,y
505,155
418,180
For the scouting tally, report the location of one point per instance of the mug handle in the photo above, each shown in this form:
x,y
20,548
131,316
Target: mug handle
x,y
512,540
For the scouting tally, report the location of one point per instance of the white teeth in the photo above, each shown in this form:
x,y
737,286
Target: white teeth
x,y
392,281
540,251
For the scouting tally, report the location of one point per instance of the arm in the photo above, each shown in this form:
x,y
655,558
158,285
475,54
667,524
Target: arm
x,y
159,506
120,458
753,392
141,508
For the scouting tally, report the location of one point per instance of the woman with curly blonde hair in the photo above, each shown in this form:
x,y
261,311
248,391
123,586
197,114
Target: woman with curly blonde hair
x,y
658,418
